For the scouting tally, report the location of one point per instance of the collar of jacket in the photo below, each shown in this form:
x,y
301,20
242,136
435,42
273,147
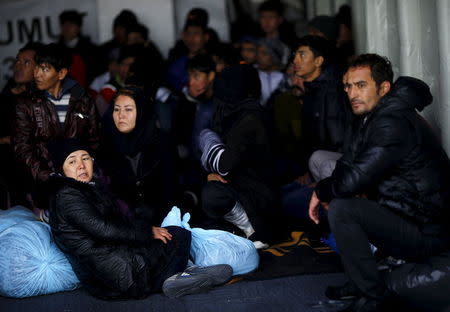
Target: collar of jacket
x,y
67,85
61,180
327,74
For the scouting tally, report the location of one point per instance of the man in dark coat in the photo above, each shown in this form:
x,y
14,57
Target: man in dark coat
x,y
396,161
325,117
59,107
325,112
11,176
84,54
237,154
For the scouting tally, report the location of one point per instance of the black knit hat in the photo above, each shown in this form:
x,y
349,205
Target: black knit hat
x,y
237,83
60,149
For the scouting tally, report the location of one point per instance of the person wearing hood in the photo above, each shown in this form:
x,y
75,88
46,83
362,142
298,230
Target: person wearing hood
x,y
391,188
138,156
113,256
271,57
57,107
237,154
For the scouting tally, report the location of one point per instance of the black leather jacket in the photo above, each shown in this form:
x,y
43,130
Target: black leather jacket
x,y
394,152
37,123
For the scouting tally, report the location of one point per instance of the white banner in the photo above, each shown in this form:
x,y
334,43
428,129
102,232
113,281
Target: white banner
x,y
22,21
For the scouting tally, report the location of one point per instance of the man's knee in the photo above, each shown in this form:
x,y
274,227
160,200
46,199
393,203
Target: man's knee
x,y
314,163
216,199
340,210
322,163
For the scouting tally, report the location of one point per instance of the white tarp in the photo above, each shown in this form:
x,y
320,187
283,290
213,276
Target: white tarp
x,y
443,14
36,20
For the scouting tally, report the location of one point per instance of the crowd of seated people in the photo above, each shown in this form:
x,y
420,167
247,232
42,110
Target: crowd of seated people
x,y
242,135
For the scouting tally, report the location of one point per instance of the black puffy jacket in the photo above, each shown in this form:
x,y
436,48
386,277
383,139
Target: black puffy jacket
x,y
111,256
394,152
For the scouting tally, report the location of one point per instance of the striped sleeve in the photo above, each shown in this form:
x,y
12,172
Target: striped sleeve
x,y
212,149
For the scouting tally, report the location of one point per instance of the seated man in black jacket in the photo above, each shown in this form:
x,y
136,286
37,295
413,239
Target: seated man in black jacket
x,y
325,117
395,159
237,155
325,111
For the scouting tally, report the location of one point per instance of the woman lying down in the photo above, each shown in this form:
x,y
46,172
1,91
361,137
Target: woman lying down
x,y
112,256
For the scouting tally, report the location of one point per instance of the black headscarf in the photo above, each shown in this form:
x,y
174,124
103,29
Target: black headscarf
x,y
133,142
237,90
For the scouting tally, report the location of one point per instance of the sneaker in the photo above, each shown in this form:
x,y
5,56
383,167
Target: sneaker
x,y
258,241
260,245
346,292
196,279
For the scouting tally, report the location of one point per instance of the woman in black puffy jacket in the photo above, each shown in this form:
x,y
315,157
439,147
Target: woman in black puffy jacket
x,y
113,256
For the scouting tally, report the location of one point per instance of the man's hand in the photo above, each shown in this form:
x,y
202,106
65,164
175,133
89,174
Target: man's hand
x,y
314,208
216,177
162,234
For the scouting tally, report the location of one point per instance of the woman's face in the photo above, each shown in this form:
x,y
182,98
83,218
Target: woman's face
x,y
124,114
79,165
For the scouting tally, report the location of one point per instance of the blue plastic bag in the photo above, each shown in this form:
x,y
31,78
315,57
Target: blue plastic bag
x,y
210,247
30,262
14,215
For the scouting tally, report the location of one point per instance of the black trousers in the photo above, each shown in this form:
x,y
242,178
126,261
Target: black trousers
x,y
218,199
357,222
181,242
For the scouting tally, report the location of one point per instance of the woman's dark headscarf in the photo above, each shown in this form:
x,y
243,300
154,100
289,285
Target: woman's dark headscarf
x,y
133,142
237,90
60,148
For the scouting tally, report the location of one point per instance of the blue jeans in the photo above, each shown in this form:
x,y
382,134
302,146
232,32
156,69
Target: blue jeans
x,y
295,199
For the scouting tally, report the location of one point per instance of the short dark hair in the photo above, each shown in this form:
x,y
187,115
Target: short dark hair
x,y
202,63
199,14
31,46
194,23
55,55
272,5
71,16
380,67
226,53
126,18
319,47
140,29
